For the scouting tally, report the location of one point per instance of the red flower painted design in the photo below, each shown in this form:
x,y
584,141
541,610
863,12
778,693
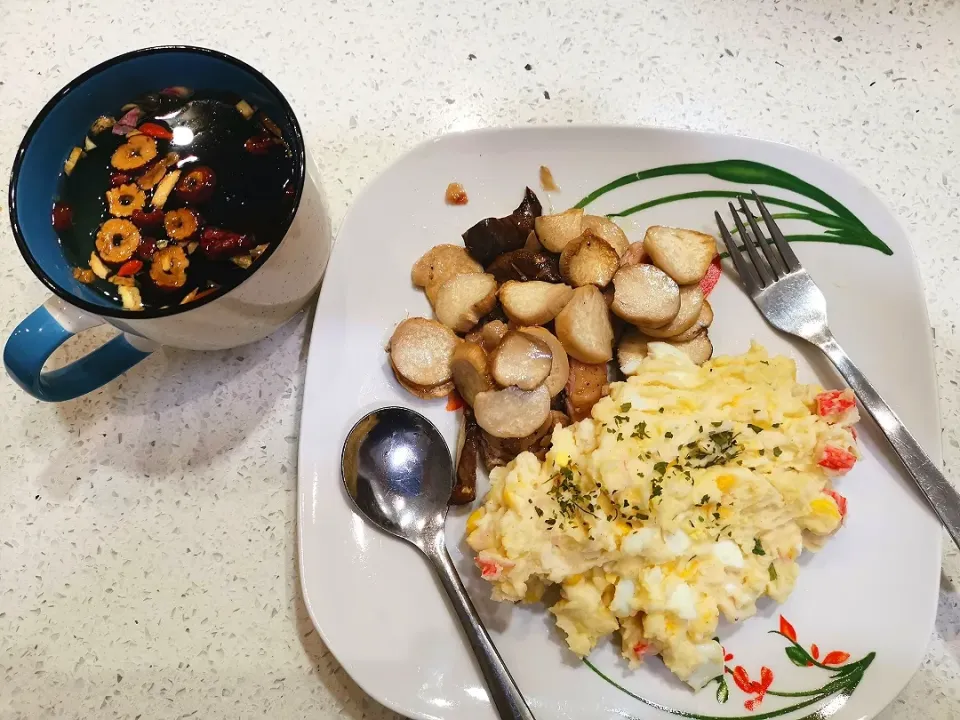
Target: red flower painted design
x,y
786,629
836,657
758,688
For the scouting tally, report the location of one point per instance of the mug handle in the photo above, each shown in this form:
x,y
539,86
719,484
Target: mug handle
x,y
47,328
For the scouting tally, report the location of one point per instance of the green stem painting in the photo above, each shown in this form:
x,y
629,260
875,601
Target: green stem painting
x,y
842,226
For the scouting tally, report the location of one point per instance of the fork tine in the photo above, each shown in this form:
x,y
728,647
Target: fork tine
x,y
776,264
786,252
748,275
766,277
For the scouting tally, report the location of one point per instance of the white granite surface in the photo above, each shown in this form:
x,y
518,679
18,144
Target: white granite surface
x,y
147,551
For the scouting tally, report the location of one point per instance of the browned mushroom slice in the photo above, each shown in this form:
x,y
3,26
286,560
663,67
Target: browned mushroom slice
x,y
631,351
463,299
699,349
522,360
524,265
645,295
439,264
534,302
588,260
560,367
512,412
583,326
425,392
421,351
555,231
497,452
607,229
691,302
704,321
586,385
532,243
684,255
468,449
490,335
634,255
470,374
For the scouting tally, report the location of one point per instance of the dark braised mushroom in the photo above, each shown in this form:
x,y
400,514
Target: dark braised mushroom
x,y
468,450
528,209
523,265
494,236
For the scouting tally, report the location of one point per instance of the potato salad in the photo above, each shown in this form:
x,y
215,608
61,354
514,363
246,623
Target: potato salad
x,y
688,494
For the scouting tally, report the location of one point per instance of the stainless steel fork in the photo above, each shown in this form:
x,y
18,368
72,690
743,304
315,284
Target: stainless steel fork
x,y
790,301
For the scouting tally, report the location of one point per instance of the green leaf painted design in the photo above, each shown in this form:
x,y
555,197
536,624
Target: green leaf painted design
x,y
723,692
798,656
843,227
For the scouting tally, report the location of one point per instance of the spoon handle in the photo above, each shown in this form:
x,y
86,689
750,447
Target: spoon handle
x,y
504,691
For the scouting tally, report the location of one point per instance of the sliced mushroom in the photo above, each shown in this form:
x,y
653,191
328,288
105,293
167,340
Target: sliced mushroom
x,y
645,295
699,349
704,321
691,303
607,229
425,392
468,449
470,373
464,299
586,385
497,452
631,351
522,360
439,264
555,231
634,255
524,265
492,333
534,302
684,255
532,242
583,326
489,334
560,367
421,351
589,260
512,412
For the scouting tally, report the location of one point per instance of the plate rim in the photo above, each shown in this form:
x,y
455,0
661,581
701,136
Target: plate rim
x,y
304,479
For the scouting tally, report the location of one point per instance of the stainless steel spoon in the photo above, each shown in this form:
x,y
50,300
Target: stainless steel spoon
x,y
397,469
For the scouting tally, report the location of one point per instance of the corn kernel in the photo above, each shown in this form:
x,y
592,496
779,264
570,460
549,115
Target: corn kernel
x,y
725,482
622,528
473,520
573,579
510,499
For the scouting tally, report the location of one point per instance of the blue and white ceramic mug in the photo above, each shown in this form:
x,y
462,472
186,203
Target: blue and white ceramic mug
x,y
280,285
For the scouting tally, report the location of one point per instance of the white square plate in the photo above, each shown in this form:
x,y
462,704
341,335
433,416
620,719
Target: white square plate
x,y
870,595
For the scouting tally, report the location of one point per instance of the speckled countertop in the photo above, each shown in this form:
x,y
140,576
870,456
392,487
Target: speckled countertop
x,y
147,550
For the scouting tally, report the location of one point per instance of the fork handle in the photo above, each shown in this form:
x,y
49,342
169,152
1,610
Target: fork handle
x,y
940,494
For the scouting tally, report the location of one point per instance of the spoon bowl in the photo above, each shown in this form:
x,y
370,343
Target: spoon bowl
x,y
397,469
399,474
